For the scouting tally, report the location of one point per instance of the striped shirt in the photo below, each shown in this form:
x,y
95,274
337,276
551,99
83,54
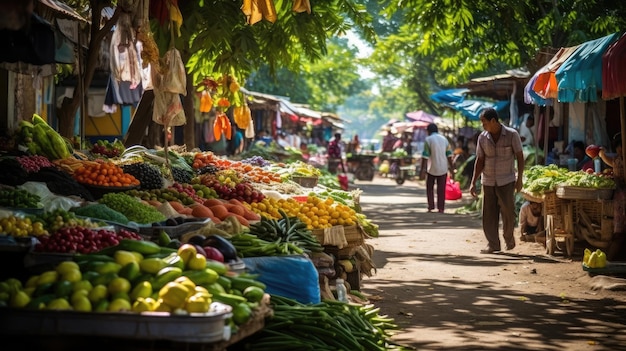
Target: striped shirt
x,y
499,157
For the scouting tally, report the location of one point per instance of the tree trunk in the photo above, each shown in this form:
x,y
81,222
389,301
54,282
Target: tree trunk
x,y
67,112
189,131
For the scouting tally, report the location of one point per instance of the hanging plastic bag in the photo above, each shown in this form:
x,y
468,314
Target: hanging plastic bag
x,y
453,189
169,82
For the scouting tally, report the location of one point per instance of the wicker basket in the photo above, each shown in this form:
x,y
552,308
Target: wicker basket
x,y
340,236
307,182
601,215
580,193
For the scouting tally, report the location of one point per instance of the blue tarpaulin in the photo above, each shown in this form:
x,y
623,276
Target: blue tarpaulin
x,y
469,107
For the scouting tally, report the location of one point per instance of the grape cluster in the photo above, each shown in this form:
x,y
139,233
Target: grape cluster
x,y
34,163
109,152
256,161
82,240
243,191
210,169
149,176
180,175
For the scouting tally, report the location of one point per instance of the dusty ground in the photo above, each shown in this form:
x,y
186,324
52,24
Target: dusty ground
x,y
447,296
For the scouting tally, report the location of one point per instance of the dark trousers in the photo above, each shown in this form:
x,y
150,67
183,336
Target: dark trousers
x,y
441,191
499,202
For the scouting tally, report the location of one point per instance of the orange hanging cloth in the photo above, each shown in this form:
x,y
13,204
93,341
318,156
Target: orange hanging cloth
x,y
222,125
206,102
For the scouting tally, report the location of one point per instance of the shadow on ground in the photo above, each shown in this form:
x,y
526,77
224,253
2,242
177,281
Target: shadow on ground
x,y
454,311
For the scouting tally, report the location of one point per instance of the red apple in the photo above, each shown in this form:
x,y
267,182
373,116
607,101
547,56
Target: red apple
x,y
592,151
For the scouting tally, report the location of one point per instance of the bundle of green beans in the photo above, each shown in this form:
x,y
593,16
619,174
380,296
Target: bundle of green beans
x,y
286,230
329,325
249,245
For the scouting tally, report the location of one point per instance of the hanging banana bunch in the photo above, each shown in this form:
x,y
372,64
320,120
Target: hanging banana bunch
x,y
301,6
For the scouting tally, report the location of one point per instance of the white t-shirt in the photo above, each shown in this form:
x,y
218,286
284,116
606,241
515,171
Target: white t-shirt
x,y
437,150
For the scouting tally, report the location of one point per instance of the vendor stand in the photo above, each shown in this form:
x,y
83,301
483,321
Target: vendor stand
x,y
362,166
576,206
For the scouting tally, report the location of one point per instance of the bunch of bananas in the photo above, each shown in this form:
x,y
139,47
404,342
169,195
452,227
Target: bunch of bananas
x,y
40,139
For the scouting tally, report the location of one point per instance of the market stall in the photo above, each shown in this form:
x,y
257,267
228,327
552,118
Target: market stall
x,y
119,243
577,206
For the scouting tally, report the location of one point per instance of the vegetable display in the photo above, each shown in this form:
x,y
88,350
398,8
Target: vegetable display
x,y
541,179
328,325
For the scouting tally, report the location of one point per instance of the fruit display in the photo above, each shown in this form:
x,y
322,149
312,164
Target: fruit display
x,y
82,240
41,139
148,175
202,218
136,276
104,173
107,148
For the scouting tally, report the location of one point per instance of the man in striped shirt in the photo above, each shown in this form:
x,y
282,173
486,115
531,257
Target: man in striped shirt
x,y
497,150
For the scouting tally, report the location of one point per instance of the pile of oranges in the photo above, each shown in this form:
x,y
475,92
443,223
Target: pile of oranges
x,y
103,173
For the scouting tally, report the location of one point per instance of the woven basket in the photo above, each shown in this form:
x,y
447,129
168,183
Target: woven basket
x,y
349,236
601,215
580,193
354,235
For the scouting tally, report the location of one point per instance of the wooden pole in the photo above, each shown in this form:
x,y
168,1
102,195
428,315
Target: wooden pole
x,y
546,131
622,114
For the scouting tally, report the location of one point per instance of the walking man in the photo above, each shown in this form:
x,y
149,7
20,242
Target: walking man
x,y
436,162
497,148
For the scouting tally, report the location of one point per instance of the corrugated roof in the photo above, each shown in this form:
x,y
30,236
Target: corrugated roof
x,y
63,9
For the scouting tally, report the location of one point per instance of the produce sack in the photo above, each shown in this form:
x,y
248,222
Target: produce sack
x,y
294,277
453,189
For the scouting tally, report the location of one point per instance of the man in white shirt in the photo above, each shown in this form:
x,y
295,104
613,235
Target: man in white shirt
x,y
436,162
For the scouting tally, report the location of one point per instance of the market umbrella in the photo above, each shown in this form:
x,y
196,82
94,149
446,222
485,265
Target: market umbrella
x,y
420,116
580,77
545,84
614,79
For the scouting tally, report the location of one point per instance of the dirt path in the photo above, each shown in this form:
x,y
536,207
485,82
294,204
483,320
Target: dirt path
x,y
447,296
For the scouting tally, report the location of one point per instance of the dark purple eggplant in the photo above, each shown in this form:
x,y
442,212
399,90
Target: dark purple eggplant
x,y
197,240
224,246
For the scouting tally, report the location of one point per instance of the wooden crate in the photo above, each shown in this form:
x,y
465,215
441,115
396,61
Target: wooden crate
x,y
600,214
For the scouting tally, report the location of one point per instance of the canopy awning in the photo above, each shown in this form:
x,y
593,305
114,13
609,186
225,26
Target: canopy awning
x,y
614,70
580,76
545,84
420,116
449,96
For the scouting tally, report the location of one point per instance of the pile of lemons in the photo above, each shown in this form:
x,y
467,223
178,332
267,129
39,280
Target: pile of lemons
x,y
316,212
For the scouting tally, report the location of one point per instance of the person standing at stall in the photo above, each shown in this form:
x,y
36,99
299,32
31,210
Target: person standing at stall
x,y
334,154
436,163
619,197
497,148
